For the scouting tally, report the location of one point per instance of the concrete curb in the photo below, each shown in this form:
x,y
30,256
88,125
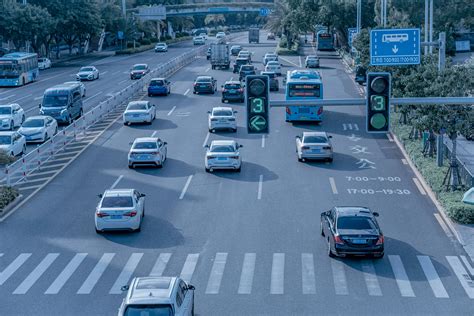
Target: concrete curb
x,y
7,209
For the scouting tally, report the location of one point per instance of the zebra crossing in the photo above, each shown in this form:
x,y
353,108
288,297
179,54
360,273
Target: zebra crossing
x,y
280,273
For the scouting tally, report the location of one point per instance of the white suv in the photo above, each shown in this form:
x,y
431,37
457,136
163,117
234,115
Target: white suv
x,y
158,296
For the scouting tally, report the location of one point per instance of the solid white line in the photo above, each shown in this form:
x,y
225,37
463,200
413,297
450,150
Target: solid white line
x,y
24,97
278,273
389,136
160,264
62,278
339,278
462,275
171,111
189,267
126,273
122,81
154,133
309,280
333,185
299,58
205,140
217,272
263,141
36,273
186,187
116,182
288,61
96,273
246,278
370,277
207,69
12,267
356,127
468,266
260,184
92,96
443,225
401,276
186,92
419,186
404,161
432,277
6,98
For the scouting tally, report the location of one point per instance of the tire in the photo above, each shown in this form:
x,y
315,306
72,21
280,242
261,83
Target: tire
x,y
322,230
330,159
213,91
23,118
55,131
330,253
131,166
234,130
98,75
139,229
149,94
239,169
194,92
213,130
12,125
207,170
98,231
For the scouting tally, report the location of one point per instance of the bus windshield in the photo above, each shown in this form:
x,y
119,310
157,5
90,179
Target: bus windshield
x,y
304,90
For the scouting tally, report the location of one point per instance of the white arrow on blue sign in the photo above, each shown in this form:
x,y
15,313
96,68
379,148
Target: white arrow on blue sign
x,y
395,47
264,11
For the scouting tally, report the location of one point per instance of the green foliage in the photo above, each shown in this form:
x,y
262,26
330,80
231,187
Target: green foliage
x,y
7,195
5,158
138,49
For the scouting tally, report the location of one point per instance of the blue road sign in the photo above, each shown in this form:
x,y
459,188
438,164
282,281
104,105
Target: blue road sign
x,y
120,35
395,47
352,31
264,11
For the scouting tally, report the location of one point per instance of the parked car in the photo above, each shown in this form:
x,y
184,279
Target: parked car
x,y
311,61
205,84
159,86
38,128
274,84
12,143
147,151
44,63
138,71
161,47
233,91
314,145
11,116
88,73
139,112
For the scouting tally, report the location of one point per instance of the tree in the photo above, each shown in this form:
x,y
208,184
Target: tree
x,y
214,19
111,15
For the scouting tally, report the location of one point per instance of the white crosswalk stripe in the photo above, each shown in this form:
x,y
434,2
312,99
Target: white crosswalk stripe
x,y
278,273
126,273
466,280
339,276
370,277
160,264
309,279
36,274
12,267
217,272
401,276
432,277
96,273
66,274
246,277
189,267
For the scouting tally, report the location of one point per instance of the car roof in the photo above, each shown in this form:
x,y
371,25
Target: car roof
x,y
146,65
87,66
137,102
353,211
222,108
118,192
156,290
158,78
8,105
315,134
145,139
8,133
272,62
203,77
223,142
37,117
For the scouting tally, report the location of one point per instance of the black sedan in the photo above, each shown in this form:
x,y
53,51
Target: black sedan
x,y
205,84
352,231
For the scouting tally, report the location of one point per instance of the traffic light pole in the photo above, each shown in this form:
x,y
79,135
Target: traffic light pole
x,y
441,45
394,101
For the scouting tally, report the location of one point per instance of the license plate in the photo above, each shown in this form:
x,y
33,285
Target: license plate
x,y
136,115
303,117
203,86
316,150
232,91
116,217
142,156
359,241
221,158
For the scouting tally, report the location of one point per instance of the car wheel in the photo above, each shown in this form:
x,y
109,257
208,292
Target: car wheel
x,y
12,125
213,91
149,94
12,154
98,231
239,169
131,166
207,170
322,229
98,76
194,92
330,253
234,130
139,229
23,118
213,130
330,159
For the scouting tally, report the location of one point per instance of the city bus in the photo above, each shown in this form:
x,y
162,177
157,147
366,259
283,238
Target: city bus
x,y
304,85
325,41
18,69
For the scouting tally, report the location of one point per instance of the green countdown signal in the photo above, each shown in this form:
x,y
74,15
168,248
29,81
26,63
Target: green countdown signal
x,y
257,105
257,99
378,102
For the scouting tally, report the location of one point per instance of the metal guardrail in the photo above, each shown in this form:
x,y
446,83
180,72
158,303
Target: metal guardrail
x,y
29,163
464,170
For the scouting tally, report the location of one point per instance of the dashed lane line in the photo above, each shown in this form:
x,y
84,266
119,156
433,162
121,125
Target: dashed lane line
x,y
23,97
333,185
260,185
419,186
186,186
116,182
93,96
186,92
206,140
171,111
263,141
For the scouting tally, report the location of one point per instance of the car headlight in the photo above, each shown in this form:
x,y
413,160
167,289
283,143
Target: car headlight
x,y
5,121
41,112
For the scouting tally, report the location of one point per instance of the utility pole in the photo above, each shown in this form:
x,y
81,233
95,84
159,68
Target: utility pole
x,y
359,15
426,24
383,13
431,25
124,8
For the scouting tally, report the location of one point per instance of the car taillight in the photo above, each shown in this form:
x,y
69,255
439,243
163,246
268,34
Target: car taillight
x,y
327,147
305,148
194,84
234,157
338,240
213,120
288,111
100,214
320,110
210,157
380,240
241,90
131,214
232,119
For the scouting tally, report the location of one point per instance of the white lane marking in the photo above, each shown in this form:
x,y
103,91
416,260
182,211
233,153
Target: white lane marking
x,y
299,58
171,111
263,141
339,277
333,185
36,273
309,279
96,273
401,276
344,127
126,273
246,277
154,133
419,186
206,139
49,78
5,92
443,225
6,98
288,61
116,182
160,264
468,266
404,161
24,97
186,187
38,98
125,72
260,184
466,280
356,127
62,278
12,267
231,78
93,96
32,109
116,72
389,136
186,92
370,277
207,69
432,276
122,81
278,273
104,72
217,272
189,267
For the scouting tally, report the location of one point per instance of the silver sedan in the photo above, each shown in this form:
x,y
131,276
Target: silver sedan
x,y
222,118
314,145
223,154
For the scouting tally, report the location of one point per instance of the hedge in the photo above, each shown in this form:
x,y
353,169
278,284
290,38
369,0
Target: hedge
x,y
285,51
434,175
7,195
143,48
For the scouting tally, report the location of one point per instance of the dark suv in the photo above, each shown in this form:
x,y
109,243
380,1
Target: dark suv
x,y
232,91
352,230
205,84
246,70
274,84
238,63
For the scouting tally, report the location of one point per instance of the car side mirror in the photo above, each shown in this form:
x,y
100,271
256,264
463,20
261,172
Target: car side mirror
x,y
124,288
207,146
142,194
209,112
165,143
100,195
191,287
240,146
330,136
376,214
39,105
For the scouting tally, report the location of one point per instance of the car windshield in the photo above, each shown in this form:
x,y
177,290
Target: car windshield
x,y
149,310
232,86
235,47
203,79
5,140
40,60
315,139
355,222
145,145
222,149
139,67
161,44
273,63
222,113
117,201
157,83
5,110
33,123
87,69
52,100
246,68
136,106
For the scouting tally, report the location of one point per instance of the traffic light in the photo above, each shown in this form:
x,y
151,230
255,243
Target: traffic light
x,y
378,102
256,94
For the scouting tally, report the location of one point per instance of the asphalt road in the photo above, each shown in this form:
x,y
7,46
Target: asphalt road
x,y
248,241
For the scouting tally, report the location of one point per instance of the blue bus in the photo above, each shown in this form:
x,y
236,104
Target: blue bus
x,y
325,41
18,69
304,85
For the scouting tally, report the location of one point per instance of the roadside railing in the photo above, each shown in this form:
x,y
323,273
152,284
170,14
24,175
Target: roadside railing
x,y
19,170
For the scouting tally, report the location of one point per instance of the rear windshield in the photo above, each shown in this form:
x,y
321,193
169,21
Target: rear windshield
x,y
222,149
203,79
158,83
315,139
149,310
117,201
246,68
232,86
240,61
145,145
222,113
137,106
355,222
139,67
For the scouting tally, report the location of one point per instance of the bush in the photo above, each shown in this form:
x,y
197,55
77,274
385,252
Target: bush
x,y
283,42
162,38
7,195
6,158
168,37
153,40
130,44
145,41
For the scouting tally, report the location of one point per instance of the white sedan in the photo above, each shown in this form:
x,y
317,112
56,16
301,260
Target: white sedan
x,y
273,66
44,63
147,151
39,128
87,73
222,118
314,145
139,112
11,116
13,143
223,154
120,209
77,83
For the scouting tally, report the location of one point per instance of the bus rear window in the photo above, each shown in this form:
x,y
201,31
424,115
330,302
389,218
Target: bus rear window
x,y
304,90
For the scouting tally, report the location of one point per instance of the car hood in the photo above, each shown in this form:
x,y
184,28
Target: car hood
x,y
357,232
5,116
30,130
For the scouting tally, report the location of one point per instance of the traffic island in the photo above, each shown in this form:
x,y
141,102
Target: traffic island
x,y
9,198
